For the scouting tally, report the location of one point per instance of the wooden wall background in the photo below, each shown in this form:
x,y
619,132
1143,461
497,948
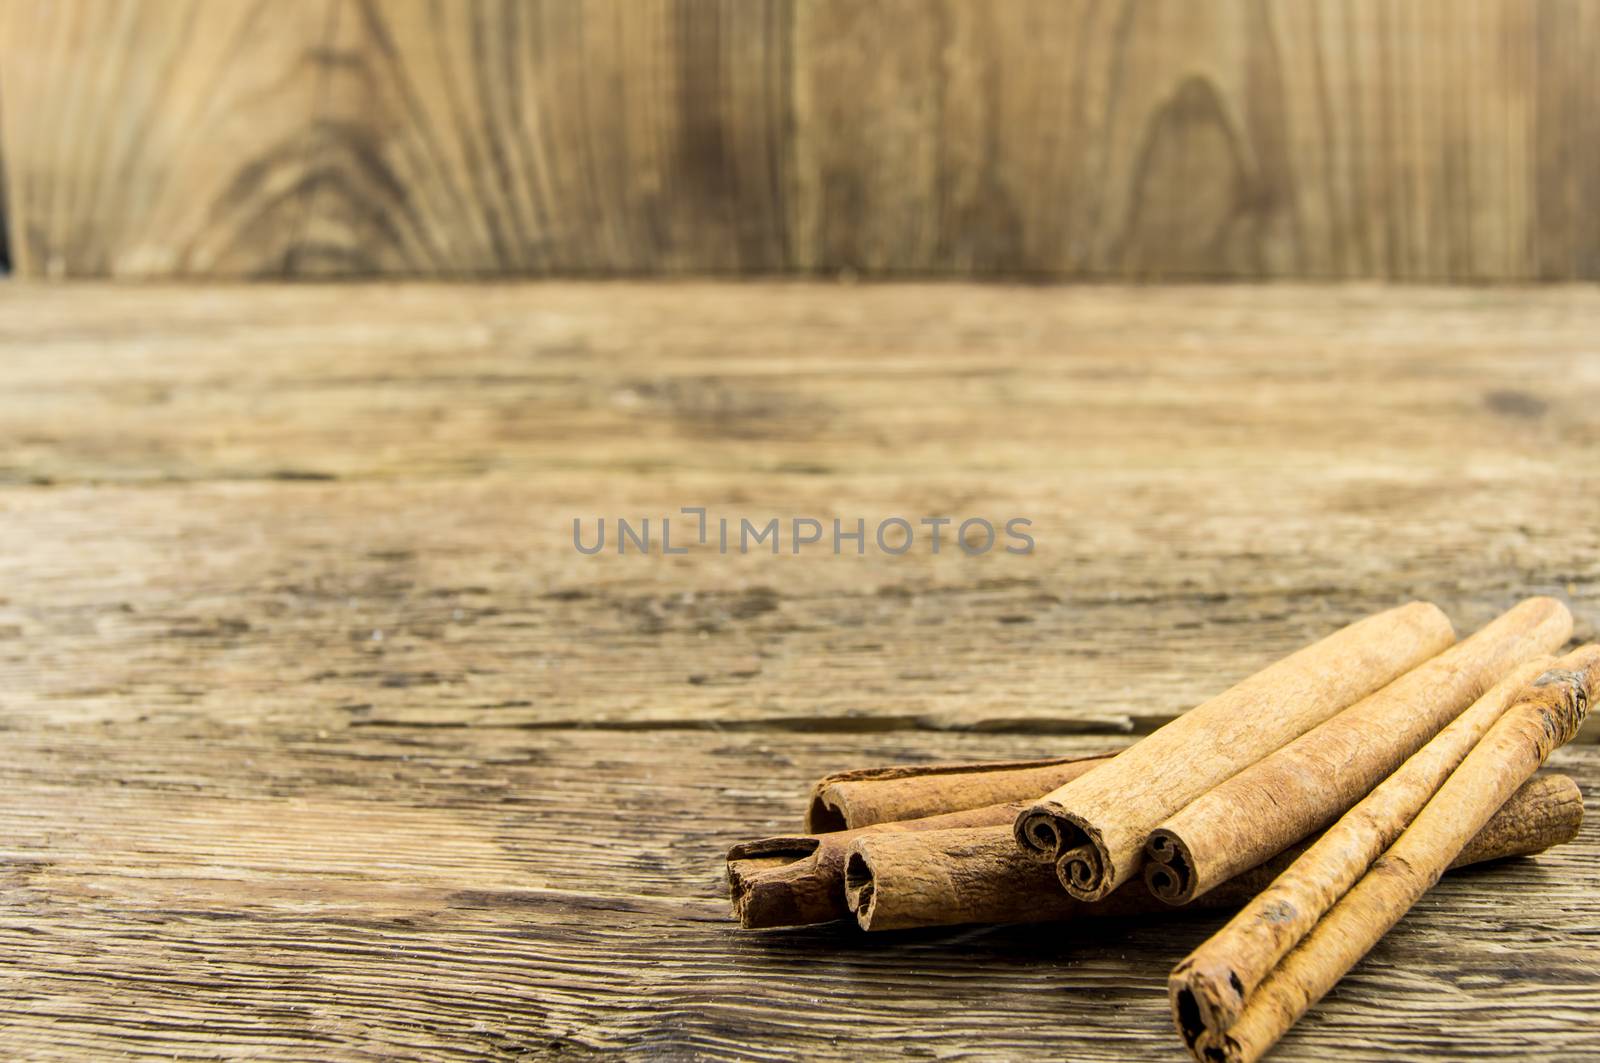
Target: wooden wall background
x,y
1143,139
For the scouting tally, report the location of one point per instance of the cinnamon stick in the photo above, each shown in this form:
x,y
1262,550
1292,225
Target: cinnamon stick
x,y
895,881
1216,978
1547,714
1546,811
798,879
1306,785
849,799
1094,827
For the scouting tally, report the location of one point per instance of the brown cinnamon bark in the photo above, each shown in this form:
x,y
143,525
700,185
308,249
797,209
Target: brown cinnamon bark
x,y
1306,785
1546,811
1548,713
850,799
895,881
1221,973
1094,828
795,880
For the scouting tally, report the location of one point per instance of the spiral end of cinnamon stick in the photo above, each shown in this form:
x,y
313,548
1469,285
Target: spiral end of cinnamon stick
x,y
1038,834
1051,834
1083,865
1169,868
1081,870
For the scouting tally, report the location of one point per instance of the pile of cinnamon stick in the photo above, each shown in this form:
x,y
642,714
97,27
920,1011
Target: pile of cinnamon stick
x,y
1320,797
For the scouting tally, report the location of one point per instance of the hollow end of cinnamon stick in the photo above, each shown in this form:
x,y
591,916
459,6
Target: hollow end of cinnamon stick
x,y
1204,999
859,895
1187,1011
773,882
1214,1047
823,816
1169,868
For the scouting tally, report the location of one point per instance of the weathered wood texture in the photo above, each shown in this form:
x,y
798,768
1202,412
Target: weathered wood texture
x,y
364,496
1091,138
315,721
207,891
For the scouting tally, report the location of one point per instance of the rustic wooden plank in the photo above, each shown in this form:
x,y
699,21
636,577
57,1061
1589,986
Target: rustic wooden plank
x,y
601,137
355,138
325,743
201,890
355,505
790,379
1166,139
458,606
1568,132
1096,138
160,139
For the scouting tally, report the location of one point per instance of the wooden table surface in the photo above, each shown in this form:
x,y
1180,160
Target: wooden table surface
x,y
322,741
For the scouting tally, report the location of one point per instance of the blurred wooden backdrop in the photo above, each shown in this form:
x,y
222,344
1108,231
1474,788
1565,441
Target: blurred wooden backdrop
x,y
1139,139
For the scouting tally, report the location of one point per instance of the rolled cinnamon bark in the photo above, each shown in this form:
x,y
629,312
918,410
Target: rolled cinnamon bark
x,y
1547,714
796,880
850,799
1306,785
1094,827
1222,972
896,881
1547,810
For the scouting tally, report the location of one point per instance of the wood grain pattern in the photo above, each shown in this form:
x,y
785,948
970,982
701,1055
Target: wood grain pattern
x,y
315,722
159,139
1166,139
363,497
1093,138
610,137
